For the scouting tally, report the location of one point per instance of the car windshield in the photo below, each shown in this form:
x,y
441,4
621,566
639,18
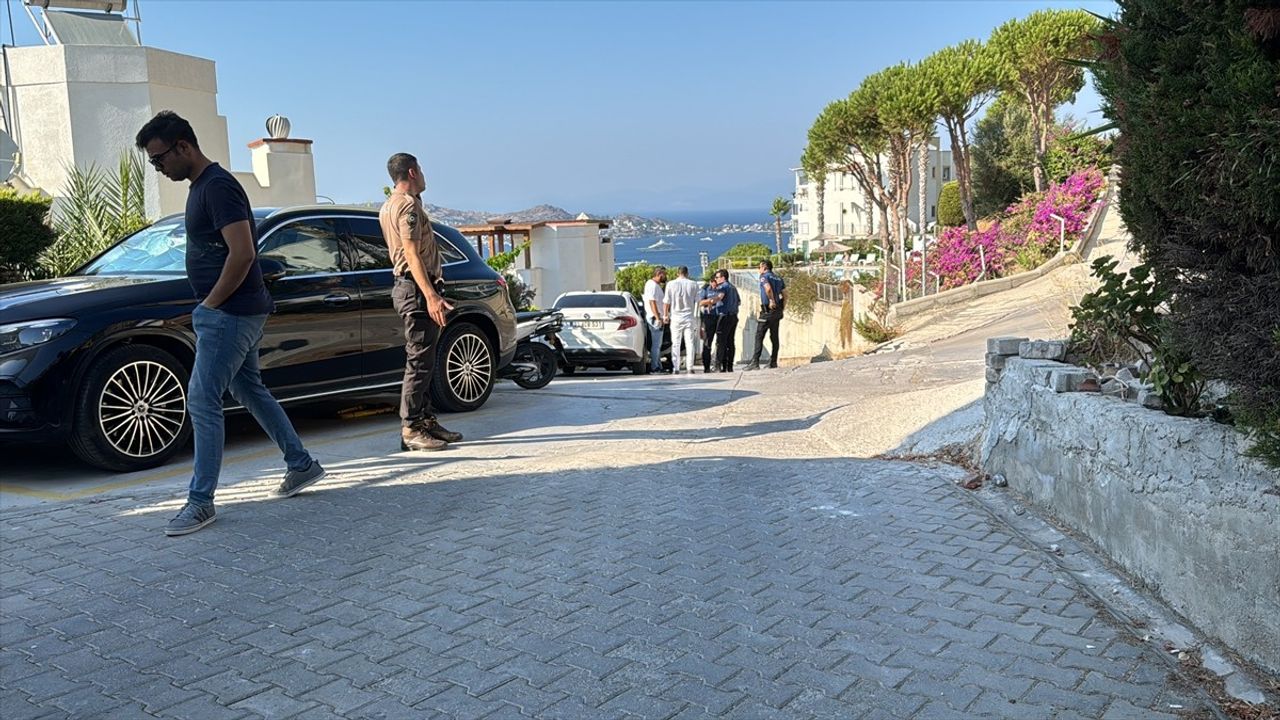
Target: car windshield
x,y
160,249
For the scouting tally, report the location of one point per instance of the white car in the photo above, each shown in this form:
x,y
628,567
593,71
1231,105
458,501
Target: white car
x,y
604,329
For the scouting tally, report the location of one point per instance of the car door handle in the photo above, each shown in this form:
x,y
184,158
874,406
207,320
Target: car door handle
x,y
337,299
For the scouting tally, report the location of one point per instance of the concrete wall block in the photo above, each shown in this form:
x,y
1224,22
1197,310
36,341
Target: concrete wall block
x,y
1172,500
993,375
1043,350
1069,379
1004,345
996,361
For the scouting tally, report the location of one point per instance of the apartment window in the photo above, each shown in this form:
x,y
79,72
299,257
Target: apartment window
x,y
946,173
933,211
934,172
804,229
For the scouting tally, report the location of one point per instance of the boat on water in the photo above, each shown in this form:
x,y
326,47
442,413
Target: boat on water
x,y
705,239
661,246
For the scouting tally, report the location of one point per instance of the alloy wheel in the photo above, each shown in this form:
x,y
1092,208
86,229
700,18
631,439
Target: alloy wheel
x,y
142,408
469,367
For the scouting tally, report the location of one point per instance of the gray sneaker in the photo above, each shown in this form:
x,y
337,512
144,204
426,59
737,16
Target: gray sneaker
x,y
191,518
295,481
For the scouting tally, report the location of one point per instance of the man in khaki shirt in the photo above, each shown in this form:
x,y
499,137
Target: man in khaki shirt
x,y
417,297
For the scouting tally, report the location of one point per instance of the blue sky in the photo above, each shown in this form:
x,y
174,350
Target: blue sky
x,y
604,107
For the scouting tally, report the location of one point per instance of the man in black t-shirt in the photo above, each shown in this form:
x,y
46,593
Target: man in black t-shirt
x,y
222,254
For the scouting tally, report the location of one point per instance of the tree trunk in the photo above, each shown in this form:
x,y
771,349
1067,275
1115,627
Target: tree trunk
x,y
960,160
777,233
1039,108
822,204
922,166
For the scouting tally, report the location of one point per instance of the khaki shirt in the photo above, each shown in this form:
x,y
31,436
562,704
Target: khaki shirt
x,y
404,220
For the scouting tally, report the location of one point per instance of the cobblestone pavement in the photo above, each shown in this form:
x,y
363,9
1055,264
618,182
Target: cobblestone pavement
x,y
593,588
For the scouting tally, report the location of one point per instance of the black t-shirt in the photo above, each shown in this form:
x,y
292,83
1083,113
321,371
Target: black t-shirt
x,y
214,201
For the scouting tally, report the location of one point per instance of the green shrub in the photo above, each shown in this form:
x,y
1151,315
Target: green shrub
x,y
950,214
1191,87
1124,312
802,291
1072,152
26,232
875,330
632,278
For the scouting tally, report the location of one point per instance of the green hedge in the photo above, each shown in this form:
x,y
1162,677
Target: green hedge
x,y
1191,85
950,214
25,231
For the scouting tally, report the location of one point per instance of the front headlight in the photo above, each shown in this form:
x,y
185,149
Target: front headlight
x,y
33,332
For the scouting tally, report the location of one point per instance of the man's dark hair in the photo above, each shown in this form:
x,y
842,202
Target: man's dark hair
x,y
399,165
723,274
683,270
658,269
167,126
768,265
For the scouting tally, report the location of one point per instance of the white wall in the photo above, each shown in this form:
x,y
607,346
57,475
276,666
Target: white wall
x,y
849,213
568,256
82,105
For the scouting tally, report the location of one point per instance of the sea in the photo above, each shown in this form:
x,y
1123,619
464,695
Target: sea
x,y
676,250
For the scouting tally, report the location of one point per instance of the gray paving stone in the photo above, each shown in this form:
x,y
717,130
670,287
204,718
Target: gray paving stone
x,y
274,703
599,593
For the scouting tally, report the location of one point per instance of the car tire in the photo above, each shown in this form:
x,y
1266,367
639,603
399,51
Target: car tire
x,y
464,371
131,409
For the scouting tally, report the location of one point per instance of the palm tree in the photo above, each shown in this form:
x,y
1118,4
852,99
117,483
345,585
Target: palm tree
x,y
100,207
781,206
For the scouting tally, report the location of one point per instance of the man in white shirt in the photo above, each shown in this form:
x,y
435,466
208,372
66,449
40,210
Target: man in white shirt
x,y
655,316
682,312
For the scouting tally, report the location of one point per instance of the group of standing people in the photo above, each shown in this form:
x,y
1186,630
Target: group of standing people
x,y
708,314
233,306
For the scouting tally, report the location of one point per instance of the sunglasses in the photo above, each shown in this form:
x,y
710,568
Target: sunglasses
x,y
158,160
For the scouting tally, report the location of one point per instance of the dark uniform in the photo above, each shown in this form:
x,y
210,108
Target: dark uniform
x,y
727,327
403,218
709,320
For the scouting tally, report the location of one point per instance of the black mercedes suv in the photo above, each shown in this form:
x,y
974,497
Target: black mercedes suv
x,y
100,359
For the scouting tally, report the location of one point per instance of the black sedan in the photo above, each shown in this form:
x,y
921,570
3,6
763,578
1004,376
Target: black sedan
x,y
100,359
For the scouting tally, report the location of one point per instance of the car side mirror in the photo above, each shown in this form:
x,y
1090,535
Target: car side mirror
x,y
272,269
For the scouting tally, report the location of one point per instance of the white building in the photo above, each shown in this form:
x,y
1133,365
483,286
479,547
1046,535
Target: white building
x,y
81,99
562,255
848,213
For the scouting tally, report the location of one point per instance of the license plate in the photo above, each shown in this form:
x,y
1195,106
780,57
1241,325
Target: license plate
x,y
588,324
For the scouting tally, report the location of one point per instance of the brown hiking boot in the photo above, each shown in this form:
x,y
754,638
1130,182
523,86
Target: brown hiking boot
x,y
415,438
432,427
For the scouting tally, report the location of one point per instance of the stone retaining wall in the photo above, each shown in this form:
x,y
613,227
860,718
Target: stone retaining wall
x,y
1172,500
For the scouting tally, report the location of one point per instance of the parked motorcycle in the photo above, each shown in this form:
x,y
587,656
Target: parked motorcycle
x,y
539,352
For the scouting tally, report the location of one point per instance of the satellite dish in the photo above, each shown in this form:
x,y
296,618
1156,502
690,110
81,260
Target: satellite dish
x,y
8,156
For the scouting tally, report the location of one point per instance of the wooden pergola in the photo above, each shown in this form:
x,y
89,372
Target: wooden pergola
x,y
497,233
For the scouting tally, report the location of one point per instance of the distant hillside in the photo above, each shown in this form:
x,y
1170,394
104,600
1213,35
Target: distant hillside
x,y
625,225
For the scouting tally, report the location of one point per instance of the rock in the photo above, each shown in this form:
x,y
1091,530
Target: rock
x,y
1043,350
1004,345
996,361
1150,399
1069,380
1239,686
1115,388
1109,370
999,480
1126,375
993,375
1090,384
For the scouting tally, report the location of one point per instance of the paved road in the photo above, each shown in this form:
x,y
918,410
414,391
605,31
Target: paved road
x,y
649,548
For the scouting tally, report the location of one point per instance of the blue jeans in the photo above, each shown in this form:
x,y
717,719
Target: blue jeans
x,y
227,359
655,346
